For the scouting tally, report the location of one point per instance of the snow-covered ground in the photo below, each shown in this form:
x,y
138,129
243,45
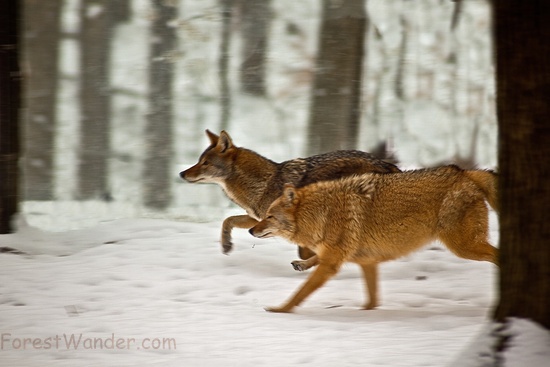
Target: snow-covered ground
x,y
152,292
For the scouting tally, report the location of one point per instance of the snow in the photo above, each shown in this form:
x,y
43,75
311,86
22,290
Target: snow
x,y
143,281
527,344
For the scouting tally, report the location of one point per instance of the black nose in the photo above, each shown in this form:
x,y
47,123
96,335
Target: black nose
x,y
251,231
182,174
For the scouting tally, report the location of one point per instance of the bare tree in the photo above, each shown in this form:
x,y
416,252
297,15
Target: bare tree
x,y
335,100
41,40
98,19
223,63
256,17
522,31
401,59
95,101
159,130
10,102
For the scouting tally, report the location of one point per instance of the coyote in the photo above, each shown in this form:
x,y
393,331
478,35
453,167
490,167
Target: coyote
x,y
253,182
372,218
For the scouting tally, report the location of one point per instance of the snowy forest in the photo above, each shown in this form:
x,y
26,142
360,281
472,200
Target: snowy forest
x,y
111,258
132,85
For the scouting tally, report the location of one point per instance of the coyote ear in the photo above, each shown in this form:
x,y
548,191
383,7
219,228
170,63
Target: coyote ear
x,y
289,193
213,137
225,141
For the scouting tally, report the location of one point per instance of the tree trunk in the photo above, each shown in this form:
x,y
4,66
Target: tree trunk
x,y
256,17
41,37
223,63
10,102
95,101
159,130
399,85
335,103
522,31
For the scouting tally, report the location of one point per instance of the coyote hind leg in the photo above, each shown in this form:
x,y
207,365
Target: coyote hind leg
x,y
479,250
468,237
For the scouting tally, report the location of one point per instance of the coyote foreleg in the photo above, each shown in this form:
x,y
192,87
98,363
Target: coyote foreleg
x,y
239,221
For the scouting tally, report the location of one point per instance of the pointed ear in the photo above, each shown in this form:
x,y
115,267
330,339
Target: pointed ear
x,y
213,137
289,193
225,141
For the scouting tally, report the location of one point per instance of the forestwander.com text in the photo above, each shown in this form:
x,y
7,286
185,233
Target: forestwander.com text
x,y
80,341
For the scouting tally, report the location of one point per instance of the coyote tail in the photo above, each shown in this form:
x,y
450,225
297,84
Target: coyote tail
x,y
487,182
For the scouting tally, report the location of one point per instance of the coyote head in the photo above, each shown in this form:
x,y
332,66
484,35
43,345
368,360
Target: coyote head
x,y
214,163
280,217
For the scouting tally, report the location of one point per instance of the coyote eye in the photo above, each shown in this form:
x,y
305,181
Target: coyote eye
x,y
205,163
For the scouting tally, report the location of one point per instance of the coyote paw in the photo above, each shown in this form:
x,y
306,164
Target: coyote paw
x,y
302,265
299,265
283,309
227,247
370,306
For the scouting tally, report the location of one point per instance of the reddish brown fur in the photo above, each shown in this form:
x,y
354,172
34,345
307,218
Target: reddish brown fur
x,y
373,218
253,182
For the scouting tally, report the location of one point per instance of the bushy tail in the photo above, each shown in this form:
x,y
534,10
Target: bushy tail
x,y
487,182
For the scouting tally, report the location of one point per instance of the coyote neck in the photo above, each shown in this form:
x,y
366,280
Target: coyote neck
x,y
248,182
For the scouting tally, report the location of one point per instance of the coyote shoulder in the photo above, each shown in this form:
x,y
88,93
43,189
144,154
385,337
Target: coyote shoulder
x,y
371,218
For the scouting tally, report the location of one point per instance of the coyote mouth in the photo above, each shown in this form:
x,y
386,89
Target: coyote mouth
x,y
260,235
194,180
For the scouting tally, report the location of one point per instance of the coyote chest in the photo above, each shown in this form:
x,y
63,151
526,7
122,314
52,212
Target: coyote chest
x,y
245,204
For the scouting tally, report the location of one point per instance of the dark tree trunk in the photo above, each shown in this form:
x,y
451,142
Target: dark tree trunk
x,y
122,11
10,102
223,63
256,17
335,101
522,31
399,85
159,130
95,99
41,37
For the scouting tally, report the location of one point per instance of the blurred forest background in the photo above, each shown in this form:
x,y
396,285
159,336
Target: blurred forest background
x,y
118,93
